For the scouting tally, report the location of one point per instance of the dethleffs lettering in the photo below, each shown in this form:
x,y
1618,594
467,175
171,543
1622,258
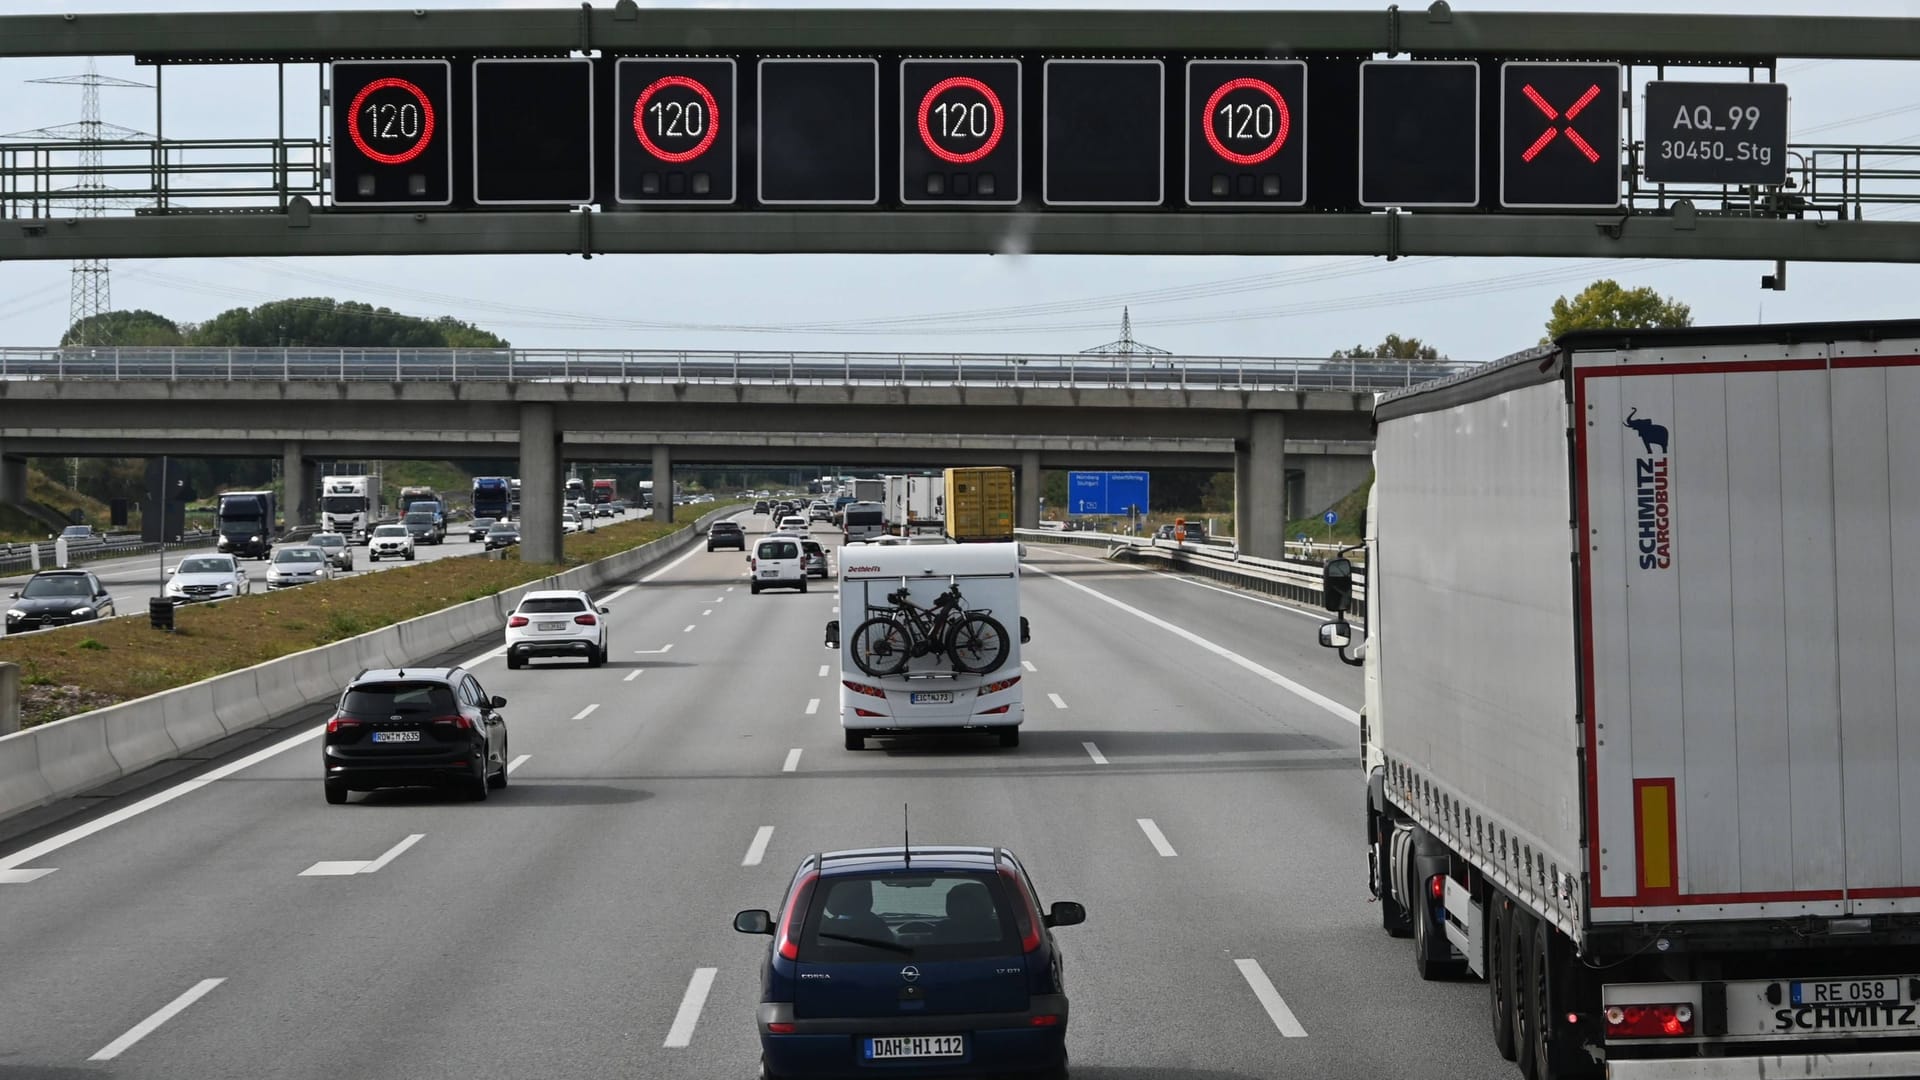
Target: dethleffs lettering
x,y
1655,513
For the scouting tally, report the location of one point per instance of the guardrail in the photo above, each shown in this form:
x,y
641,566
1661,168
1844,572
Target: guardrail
x,y
1298,581
16,557
296,364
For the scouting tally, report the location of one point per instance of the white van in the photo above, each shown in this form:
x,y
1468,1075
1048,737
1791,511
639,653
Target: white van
x,y
863,521
893,681
777,562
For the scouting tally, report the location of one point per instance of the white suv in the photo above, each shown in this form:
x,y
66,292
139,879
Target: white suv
x,y
390,542
793,525
778,563
557,622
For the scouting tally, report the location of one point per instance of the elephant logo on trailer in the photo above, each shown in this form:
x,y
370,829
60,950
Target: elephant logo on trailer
x,y
1651,434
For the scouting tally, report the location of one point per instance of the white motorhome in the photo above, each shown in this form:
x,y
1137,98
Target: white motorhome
x,y
350,506
921,687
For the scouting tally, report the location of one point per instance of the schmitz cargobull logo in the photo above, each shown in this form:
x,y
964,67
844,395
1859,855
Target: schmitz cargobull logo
x,y
1653,494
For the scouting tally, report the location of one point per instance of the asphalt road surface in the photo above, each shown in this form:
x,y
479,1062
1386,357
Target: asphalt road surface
x,y
134,580
1187,772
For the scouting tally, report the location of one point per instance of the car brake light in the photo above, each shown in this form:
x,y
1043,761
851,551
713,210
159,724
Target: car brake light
x,y
1044,1020
517,620
780,1028
996,687
456,720
585,620
993,711
796,905
862,688
1649,1021
340,723
1026,917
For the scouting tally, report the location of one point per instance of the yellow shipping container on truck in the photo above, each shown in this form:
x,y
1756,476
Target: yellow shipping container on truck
x,y
980,504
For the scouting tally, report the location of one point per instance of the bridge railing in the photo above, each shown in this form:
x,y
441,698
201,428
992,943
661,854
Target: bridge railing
x,y
726,367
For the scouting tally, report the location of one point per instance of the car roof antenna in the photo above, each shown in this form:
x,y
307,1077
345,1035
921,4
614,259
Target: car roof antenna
x,y
906,837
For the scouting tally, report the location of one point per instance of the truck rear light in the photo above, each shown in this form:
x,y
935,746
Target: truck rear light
x,y
341,723
1649,1021
862,688
996,687
517,620
585,620
1437,887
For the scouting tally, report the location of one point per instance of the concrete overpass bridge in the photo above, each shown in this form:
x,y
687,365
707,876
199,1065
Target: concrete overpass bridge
x,y
1260,417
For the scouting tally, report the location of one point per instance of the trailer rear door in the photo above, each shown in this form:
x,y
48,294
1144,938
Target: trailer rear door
x,y
1750,593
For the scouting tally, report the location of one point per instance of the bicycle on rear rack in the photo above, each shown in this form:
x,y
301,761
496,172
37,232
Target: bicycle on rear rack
x,y
892,637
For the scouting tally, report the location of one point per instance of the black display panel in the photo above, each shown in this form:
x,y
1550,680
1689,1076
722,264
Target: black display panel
x,y
1716,133
1419,133
391,133
676,131
1560,135
819,132
1246,128
533,131
960,132
1104,138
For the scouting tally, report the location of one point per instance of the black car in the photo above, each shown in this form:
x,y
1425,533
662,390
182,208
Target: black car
x,y
502,534
477,529
761,506
415,727
726,534
56,598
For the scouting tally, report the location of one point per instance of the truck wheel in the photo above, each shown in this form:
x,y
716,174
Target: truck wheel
x,y
1519,943
1557,1054
1432,952
1499,1005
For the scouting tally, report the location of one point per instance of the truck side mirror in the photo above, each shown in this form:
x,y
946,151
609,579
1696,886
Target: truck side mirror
x,y
833,634
1336,585
1336,635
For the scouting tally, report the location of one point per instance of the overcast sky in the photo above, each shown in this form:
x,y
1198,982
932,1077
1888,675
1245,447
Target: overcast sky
x,y
1470,308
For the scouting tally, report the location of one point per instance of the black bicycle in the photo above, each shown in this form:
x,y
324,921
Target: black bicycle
x,y
893,636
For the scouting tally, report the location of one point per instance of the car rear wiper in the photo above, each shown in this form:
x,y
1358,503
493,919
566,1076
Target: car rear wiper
x,y
890,946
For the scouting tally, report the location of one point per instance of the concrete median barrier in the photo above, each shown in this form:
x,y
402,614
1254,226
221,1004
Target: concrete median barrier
x,y
236,699
73,752
21,785
187,714
133,739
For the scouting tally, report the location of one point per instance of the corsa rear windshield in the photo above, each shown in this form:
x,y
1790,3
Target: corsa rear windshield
x,y
379,701
551,605
909,915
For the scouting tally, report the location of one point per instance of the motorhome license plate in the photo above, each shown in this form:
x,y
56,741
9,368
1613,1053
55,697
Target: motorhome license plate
x,y
931,697
396,736
553,626
916,1046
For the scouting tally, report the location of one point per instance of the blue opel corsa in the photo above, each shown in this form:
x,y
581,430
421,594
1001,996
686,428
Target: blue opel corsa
x,y
897,962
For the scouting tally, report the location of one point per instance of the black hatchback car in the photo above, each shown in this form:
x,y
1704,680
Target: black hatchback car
x,y
56,598
414,727
726,534
932,961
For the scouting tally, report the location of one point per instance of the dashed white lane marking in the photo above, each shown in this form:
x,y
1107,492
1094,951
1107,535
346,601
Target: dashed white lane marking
x,y
1274,677
1058,701
793,760
825,670
1094,753
813,706
649,652
152,1023
1028,664
707,612
586,712
729,588
836,609
1157,838
1270,999
634,674
688,629
517,762
758,849
684,1021
349,867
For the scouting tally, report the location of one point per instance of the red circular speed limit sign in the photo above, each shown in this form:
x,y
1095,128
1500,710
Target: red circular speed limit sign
x,y
962,119
677,119
1263,121
391,120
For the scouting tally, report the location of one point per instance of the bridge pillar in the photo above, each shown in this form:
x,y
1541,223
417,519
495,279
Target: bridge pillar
x,y
540,486
300,483
1260,514
1026,513
1241,466
13,480
662,482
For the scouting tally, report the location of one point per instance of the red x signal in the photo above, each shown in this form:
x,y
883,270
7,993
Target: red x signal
x,y
1555,129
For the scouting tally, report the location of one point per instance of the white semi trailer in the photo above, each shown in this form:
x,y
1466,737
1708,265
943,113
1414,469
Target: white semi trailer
x,y
350,506
1642,710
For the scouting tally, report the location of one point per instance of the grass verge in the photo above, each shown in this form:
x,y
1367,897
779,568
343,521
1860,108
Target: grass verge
x,y
92,665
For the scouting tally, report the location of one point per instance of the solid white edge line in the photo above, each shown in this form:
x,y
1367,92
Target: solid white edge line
x,y
670,566
147,1027
586,712
1058,701
517,762
1094,753
618,593
1155,837
1270,999
793,760
634,674
684,1021
758,849
813,706
392,853
1304,693
490,654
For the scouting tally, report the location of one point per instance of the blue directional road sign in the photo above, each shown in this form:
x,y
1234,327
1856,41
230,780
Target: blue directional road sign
x,y
1106,492
1330,517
